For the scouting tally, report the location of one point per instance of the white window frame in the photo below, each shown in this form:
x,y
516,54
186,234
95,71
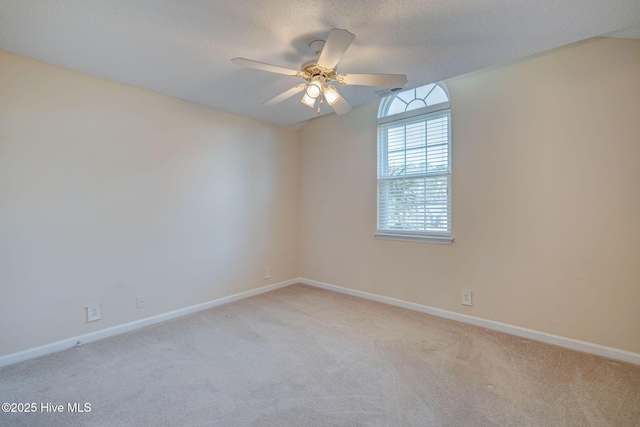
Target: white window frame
x,y
415,115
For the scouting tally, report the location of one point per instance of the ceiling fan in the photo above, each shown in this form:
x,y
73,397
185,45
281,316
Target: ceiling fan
x,y
320,71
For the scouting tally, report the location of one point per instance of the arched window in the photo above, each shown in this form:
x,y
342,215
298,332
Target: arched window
x,y
412,99
414,165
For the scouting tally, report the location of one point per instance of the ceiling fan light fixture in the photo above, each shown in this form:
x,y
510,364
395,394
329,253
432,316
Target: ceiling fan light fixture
x,y
313,90
331,94
308,101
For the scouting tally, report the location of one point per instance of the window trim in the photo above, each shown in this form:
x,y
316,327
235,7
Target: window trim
x,y
412,237
417,236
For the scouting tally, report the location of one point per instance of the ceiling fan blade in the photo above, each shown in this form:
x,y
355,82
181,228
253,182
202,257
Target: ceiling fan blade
x,y
386,80
284,95
341,106
243,62
335,46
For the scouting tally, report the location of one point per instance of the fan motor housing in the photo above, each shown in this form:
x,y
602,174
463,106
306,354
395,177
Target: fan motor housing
x,y
311,69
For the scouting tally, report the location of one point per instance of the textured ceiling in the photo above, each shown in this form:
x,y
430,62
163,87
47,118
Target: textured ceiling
x,y
183,48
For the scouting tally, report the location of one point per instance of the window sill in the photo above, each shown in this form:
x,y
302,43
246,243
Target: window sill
x,y
415,238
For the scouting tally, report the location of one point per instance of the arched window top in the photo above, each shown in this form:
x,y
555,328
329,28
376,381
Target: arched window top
x,y
421,97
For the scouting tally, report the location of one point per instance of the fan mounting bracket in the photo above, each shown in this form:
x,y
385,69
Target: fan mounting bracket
x,y
316,46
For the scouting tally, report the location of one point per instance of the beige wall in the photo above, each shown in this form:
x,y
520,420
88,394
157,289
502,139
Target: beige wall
x,y
546,205
108,192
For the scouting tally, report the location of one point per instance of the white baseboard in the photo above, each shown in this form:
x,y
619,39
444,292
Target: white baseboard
x,y
65,344
586,347
569,343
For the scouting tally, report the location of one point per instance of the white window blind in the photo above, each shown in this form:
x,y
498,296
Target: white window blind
x,y
414,178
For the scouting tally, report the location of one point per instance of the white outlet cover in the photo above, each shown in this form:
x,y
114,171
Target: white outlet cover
x,y
267,272
93,313
466,298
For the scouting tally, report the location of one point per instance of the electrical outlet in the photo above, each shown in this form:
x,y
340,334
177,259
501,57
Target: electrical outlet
x,y
267,273
466,297
93,313
140,301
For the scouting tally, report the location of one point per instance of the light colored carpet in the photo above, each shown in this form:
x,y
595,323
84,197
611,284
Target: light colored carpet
x,y
302,356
